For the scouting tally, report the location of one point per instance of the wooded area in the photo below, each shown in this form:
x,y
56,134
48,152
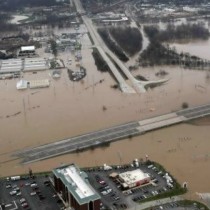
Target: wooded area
x,y
128,38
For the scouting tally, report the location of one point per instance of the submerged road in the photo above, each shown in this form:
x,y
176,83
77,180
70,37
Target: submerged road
x,y
104,137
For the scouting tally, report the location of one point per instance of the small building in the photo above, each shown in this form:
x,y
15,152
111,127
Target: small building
x,y
73,186
27,51
130,179
39,83
22,84
35,64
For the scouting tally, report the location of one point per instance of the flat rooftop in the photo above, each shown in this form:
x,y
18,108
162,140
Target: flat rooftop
x,y
77,183
39,83
134,176
27,64
27,48
11,65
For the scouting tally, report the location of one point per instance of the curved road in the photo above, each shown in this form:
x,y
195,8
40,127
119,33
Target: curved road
x,y
137,86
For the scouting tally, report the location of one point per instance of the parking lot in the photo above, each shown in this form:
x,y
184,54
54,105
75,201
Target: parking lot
x,y
28,193
114,197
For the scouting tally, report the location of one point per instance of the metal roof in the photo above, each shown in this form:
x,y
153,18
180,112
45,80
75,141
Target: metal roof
x,y
27,48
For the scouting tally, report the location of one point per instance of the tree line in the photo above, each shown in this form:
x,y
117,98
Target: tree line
x,y
122,40
159,54
128,38
12,5
104,33
5,25
181,32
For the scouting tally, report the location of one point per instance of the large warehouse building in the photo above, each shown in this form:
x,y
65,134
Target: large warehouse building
x,y
16,65
11,66
130,179
75,189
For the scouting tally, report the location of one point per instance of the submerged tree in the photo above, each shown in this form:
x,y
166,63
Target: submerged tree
x,y
53,46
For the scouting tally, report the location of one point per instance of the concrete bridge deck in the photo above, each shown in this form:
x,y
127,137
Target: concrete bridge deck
x,y
102,137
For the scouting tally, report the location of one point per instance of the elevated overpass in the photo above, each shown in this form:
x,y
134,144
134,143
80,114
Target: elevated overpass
x,y
121,81
105,136
137,86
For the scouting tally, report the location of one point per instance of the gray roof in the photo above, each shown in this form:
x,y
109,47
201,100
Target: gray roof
x,y
77,183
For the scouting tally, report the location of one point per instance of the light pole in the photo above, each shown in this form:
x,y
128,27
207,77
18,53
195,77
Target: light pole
x,y
120,157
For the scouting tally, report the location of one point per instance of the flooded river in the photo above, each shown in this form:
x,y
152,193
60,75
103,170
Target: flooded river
x,y
197,48
33,117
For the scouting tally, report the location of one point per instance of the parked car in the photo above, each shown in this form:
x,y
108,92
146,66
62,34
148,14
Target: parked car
x,y
22,200
24,205
8,186
13,192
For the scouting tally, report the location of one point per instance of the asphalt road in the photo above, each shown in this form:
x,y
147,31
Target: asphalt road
x,y
79,142
101,137
196,112
100,46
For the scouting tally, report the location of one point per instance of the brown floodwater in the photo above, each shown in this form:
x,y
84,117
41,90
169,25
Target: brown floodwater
x,y
198,48
34,117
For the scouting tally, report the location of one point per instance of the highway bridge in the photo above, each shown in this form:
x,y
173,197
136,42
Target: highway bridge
x,y
103,137
137,85
93,33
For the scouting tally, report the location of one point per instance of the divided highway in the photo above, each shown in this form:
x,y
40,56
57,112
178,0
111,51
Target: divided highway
x,y
137,85
94,34
102,137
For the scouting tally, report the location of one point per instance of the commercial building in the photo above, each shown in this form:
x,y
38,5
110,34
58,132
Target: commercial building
x,y
11,66
42,83
16,65
32,84
35,64
27,51
130,179
73,186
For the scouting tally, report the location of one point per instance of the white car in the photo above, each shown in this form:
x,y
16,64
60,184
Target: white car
x,y
13,192
19,194
104,192
33,193
8,186
109,190
34,185
22,200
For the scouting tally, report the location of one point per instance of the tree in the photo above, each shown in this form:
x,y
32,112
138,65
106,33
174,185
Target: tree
x,y
30,172
53,45
185,105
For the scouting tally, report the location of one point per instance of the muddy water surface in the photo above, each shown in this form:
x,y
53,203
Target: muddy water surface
x,y
33,117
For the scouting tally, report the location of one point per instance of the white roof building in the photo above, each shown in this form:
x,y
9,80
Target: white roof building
x,y
134,178
77,184
27,48
22,84
42,83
